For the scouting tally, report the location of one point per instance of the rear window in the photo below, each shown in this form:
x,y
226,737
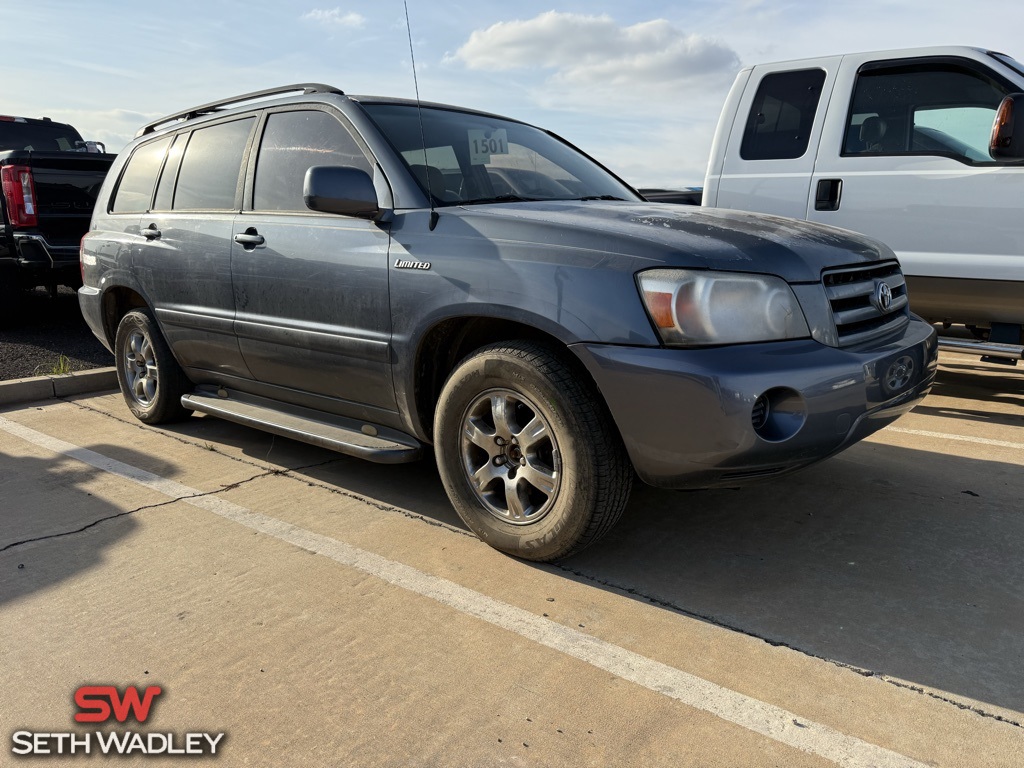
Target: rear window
x,y
39,137
208,179
782,115
135,189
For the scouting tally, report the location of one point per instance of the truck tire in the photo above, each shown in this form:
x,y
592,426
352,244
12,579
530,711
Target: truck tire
x,y
151,380
528,453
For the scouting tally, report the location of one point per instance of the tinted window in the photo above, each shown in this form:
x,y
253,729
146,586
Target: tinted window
x,y
136,187
38,136
292,143
165,188
938,108
781,117
209,170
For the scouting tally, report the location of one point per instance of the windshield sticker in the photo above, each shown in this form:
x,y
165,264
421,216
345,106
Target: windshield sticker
x,y
483,144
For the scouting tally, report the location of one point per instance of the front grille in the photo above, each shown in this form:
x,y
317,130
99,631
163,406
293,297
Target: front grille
x,y
852,293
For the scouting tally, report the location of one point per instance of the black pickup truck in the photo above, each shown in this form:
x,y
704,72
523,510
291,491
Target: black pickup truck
x,y
50,178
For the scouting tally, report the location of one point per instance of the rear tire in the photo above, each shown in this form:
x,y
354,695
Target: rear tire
x,y
528,453
151,380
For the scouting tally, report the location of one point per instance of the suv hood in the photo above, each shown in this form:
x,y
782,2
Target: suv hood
x,y
648,235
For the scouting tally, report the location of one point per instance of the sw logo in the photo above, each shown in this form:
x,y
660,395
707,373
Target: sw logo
x,y
98,702
103,704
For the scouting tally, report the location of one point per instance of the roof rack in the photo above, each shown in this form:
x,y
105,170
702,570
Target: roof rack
x,y
215,106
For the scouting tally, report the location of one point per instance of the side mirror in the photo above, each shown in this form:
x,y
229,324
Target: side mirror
x,y
341,189
1007,143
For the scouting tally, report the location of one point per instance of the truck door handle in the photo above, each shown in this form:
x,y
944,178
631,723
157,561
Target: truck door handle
x,y
249,239
826,198
151,232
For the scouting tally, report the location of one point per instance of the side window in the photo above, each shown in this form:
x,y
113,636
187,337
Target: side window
x,y
292,143
136,186
938,108
209,169
781,117
165,187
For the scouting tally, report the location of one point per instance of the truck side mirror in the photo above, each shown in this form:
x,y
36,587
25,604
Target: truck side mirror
x,y
1007,143
341,189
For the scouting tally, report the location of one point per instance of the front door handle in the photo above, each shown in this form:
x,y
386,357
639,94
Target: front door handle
x,y
826,197
151,232
249,239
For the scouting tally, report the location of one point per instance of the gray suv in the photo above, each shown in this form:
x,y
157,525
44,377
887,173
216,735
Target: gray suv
x,y
376,276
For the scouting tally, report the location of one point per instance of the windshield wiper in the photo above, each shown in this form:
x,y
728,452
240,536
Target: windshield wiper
x,y
601,197
499,199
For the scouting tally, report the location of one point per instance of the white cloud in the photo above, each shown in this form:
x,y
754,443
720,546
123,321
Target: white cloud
x,y
595,50
335,17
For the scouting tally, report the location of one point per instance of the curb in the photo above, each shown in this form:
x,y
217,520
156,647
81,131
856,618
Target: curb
x,y
45,387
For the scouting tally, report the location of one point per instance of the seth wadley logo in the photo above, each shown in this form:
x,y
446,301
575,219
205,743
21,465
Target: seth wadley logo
x,y
100,704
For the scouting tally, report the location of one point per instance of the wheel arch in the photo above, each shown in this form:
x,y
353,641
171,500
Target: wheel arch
x,y
449,341
118,301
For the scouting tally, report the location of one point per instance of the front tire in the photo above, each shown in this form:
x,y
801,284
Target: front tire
x,y
151,380
528,453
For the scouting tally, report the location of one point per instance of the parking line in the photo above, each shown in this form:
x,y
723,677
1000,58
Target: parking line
x,y
753,714
958,438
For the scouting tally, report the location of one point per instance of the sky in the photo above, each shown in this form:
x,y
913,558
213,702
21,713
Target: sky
x,y
638,84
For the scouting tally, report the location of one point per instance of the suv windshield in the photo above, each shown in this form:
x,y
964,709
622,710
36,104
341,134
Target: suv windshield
x,y
474,158
38,136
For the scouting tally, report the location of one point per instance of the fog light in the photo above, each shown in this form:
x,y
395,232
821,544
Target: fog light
x,y
778,414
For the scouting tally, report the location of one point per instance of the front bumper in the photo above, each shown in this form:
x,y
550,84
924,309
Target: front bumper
x,y
685,415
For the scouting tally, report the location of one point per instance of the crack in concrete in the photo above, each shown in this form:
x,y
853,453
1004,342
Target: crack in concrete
x,y
669,605
126,513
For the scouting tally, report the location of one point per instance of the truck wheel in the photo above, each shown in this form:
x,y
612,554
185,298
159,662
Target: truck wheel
x,y
150,378
528,453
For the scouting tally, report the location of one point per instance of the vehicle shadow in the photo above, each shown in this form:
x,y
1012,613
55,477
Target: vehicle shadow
x,y
902,562
52,528
986,384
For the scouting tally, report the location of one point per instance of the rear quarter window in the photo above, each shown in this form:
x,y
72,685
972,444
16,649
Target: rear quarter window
x,y
782,115
135,190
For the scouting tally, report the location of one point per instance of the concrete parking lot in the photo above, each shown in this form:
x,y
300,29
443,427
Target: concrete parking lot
x,y
319,610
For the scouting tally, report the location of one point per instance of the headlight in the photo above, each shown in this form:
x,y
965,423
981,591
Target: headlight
x,y
692,307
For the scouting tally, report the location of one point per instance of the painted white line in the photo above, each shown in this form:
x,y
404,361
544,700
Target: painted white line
x,y
750,713
958,438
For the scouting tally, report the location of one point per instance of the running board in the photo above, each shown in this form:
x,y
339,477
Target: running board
x,y
336,433
1007,354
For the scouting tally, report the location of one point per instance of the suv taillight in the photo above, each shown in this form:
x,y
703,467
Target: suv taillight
x,y
20,191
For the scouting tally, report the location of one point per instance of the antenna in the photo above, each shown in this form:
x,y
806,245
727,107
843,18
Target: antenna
x,y
419,113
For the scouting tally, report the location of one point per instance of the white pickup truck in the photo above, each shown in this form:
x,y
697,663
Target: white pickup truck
x,y
914,147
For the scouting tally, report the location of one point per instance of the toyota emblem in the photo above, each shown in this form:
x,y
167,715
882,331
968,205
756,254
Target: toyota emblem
x,y
882,297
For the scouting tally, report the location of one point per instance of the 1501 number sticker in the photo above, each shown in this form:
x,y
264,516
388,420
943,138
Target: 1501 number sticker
x,y
483,144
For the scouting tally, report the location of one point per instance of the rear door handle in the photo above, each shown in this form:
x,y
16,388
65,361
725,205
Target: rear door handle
x,y
249,239
826,197
151,232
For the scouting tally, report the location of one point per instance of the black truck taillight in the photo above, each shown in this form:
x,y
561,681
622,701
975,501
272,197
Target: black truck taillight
x,y
20,191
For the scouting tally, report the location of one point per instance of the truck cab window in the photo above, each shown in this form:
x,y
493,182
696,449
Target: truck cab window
x,y
924,108
782,115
